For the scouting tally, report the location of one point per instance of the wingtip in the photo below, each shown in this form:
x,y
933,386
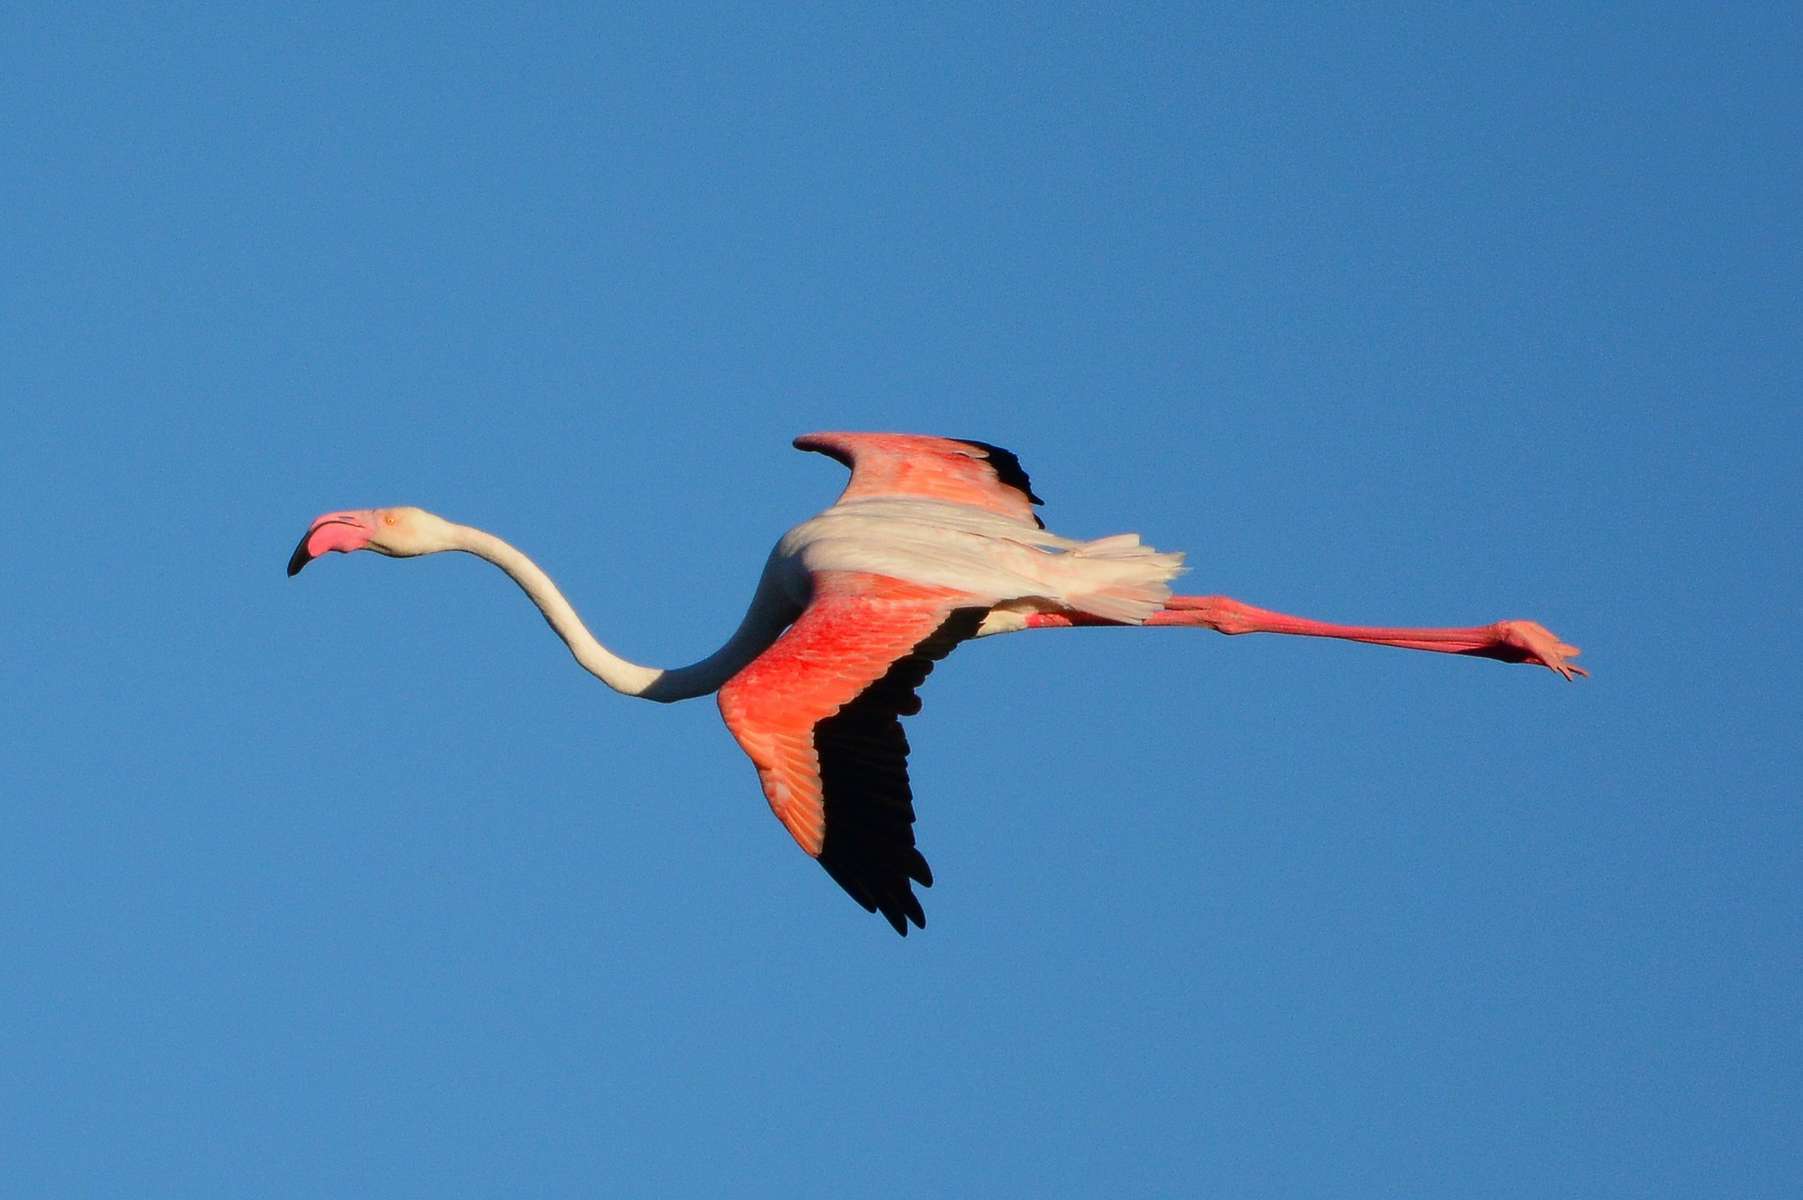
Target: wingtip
x,y
902,911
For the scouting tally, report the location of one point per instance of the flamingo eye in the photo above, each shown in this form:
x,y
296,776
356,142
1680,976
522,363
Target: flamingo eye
x,y
391,518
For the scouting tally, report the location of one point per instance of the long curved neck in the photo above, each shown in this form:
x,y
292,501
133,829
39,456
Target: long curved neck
x,y
766,619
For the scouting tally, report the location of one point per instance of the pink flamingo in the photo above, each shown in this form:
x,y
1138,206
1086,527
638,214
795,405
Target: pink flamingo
x,y
933,542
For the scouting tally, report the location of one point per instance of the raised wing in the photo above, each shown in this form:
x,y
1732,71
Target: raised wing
x,y
930,468
819,714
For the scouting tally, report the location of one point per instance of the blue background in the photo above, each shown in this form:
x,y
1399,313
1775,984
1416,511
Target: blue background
x,y
354,885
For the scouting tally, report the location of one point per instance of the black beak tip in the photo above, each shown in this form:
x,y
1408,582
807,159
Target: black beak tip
x,y
299,558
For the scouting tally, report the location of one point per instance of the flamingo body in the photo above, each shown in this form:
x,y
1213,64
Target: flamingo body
x,y
933,542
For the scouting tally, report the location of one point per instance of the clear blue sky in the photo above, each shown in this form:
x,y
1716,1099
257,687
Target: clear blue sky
x,y
354,885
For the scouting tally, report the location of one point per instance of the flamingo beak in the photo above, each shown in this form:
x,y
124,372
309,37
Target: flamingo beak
x,y
340,531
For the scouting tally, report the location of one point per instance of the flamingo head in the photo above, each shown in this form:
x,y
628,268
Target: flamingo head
x,y
397,532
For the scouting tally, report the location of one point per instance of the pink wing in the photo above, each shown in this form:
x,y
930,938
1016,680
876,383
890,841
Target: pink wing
x,y
818,713
930,468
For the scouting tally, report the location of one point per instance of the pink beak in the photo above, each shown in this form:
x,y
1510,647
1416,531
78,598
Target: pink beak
x,y
340,531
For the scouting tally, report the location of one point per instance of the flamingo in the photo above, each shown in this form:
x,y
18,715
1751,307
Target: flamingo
x,y
933,542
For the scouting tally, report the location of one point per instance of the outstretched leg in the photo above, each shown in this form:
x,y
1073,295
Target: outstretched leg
x,y
1509,641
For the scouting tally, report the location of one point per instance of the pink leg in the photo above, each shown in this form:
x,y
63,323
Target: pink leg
x,y
1509,641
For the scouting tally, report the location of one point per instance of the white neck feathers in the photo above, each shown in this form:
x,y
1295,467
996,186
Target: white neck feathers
x,y
767,618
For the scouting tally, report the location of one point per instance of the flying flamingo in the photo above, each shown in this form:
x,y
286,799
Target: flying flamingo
x,y
933,542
